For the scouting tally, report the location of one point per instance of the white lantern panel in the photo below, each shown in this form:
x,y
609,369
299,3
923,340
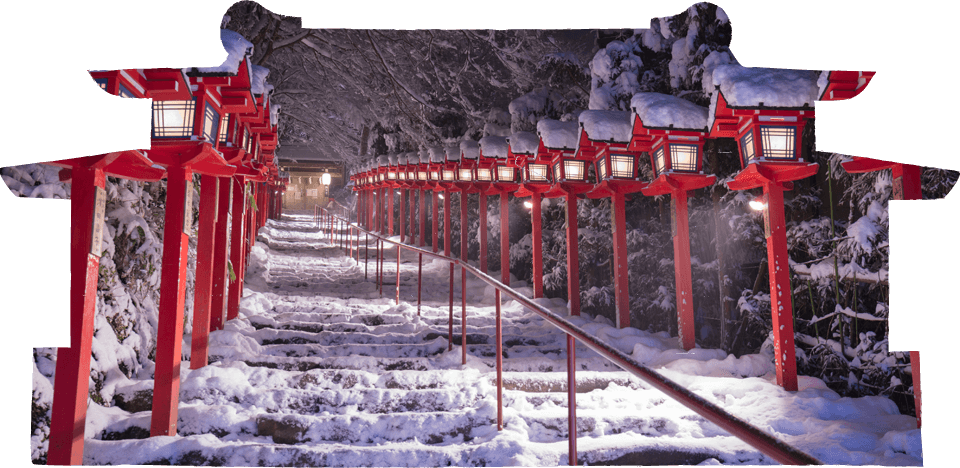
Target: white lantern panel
x,y
683,157
778,142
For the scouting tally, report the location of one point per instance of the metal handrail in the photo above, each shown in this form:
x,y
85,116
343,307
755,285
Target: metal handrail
x,y
748,433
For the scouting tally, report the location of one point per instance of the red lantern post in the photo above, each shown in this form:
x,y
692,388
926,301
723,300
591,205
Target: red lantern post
x,y
766,110
402,185
558,144
413,184
505,174
616,169
535,181
675,131
423,182
437,160
184,142
448,177
87,202
390,184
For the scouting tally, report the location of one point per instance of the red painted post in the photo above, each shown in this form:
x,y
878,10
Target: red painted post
x,y
423,220
572,399
906,181
681,264
419,280
380,266
483,231
464,250
412,218
573,256
366,255
917,396
398,274
390,212
504,239
203,286
499,346
537,238
403,213
781,303
620,276
236,249
446,251
436,221
173,281
71,388
218,302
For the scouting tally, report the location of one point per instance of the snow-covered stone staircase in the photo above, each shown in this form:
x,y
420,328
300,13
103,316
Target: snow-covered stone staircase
x,y
321,371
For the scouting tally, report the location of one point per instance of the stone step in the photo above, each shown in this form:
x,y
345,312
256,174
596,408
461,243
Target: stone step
x,y
417,350
427,428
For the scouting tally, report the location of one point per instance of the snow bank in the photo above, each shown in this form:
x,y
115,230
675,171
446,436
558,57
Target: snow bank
x,y
437,154
452,153
258,80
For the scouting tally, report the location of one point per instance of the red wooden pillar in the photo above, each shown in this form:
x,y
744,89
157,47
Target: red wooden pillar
x,y
446,252
436,220
681,269
173,282
573,256
781,303
537,235
464,257
381,211
620,274
218,300
906,186
390,195
423,220
403,213
71,387
917,396
504,239
236,249
412,217
203,286
483,231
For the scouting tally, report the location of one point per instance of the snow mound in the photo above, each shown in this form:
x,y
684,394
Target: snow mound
x,y
452,152
494,147
470,149
523,143
258,80
393,159
557,134
437,154
663,111
771,87
614,126
237,48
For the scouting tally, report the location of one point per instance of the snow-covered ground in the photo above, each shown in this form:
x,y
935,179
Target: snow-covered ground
x,y
320,370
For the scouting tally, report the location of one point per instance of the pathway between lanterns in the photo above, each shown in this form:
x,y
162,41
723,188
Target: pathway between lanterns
x,y
321,371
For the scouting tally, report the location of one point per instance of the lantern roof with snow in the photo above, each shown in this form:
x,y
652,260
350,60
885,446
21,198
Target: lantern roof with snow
x,y
601,131
494,147
469,149
607,126
523,143
656,110
437,154
452,153
760,90
556,135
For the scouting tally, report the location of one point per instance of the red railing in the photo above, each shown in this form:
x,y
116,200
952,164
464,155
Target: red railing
x,y
758,439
